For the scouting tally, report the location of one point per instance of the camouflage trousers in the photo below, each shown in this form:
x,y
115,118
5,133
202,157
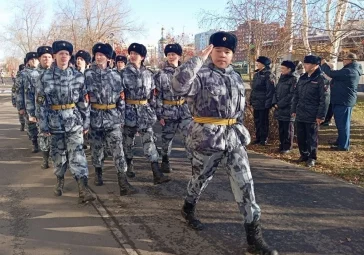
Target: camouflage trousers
x,y
236,164
21,118
32,128
44,142
66,150
114,141
148,140
169,131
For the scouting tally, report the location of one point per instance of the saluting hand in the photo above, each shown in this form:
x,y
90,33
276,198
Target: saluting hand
x,y
206,52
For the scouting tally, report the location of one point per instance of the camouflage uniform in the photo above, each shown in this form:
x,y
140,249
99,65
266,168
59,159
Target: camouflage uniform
x,y
104,88
64,90
13,100
25,78
173,109
139,85
219,94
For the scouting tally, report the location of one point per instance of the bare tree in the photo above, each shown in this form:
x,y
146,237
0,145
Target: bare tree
x,y
25,28
86,22
305,27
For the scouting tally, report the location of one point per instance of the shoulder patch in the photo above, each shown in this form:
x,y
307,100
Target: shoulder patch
x,y
40,99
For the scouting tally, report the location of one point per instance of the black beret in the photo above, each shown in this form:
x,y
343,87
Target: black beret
x,y
121,58
289,64
25,61
224,39
43,50
103,48
138,48
21,67
84,55
264,60
312,59
62,45
30,55
175,48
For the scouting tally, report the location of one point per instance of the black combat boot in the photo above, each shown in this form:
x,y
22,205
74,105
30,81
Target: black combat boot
x,y
84,194
98,181
22,127
35,146
130,172
166,168
58,189
188,213
158,176
255,240
125,187
45,163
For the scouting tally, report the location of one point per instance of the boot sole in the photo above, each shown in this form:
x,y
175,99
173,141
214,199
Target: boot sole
x,y
58,194
99,184
130,175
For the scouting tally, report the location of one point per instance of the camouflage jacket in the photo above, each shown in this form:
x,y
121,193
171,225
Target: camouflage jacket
x,y
139,85
14,89
30,89
104,87
212,92
164,87
60,87
22,82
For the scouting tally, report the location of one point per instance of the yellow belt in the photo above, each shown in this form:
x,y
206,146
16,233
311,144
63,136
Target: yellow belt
x,y
103,106
141,102
213,120
179,102
57,107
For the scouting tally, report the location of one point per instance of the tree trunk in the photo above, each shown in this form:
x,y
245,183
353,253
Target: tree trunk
x,y
305,28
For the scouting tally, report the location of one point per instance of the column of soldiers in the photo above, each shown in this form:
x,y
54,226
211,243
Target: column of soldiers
x,y
203,99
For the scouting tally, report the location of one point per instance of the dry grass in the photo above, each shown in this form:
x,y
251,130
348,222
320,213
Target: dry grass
x,y
346,165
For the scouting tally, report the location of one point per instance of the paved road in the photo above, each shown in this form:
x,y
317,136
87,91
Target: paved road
x,y
303,212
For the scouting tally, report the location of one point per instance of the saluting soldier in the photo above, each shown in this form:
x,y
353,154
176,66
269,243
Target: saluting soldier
x,y
217,134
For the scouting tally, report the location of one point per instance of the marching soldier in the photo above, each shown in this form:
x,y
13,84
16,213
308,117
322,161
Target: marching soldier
x,y
64,115
45,59
217,134
120,63
107,115
24,78
140,115
14,96
261,98
172,110
83,59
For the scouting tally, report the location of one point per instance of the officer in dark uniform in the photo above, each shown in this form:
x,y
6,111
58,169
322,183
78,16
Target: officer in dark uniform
x,y
310,103
261,98
282,102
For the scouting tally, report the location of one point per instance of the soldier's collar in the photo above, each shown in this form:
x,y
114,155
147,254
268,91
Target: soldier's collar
x,y
226,70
